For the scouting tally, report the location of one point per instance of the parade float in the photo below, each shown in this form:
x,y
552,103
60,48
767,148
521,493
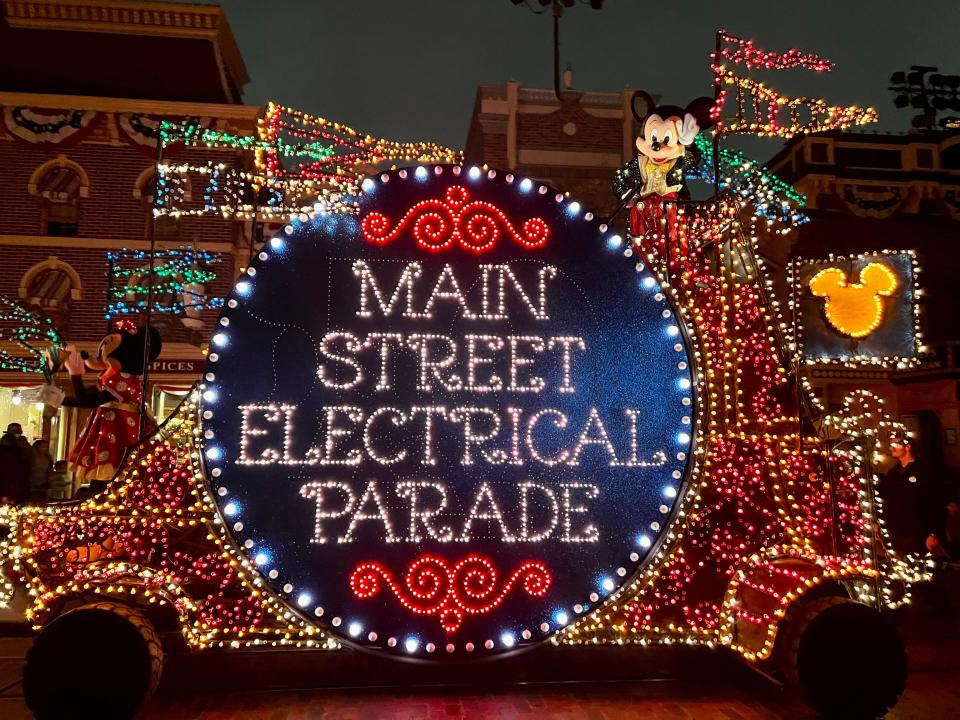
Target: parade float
x,y
450,413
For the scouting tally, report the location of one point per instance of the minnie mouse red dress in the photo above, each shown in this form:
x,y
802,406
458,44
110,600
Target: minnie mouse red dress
x,y
110,429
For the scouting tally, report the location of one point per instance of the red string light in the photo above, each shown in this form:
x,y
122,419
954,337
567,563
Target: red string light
x,y
759,109
432,587
744,52
439,224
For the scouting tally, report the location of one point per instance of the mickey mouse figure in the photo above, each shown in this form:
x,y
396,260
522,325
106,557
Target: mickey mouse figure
x,y
656,176
114,425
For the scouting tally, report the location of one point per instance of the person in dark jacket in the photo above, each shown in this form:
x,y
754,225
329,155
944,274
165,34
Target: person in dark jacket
x,y
911,504
40,472
15,466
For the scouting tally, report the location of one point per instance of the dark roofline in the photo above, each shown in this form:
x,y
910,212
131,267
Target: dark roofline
x,y
138,17
900,139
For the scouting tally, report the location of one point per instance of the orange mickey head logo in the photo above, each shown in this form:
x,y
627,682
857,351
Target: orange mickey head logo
x,y
854,309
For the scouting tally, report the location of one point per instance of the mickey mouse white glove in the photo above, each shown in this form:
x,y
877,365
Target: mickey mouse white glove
x,y
74,362
688,129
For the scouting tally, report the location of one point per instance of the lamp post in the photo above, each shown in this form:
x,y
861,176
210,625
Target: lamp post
x,y
558,7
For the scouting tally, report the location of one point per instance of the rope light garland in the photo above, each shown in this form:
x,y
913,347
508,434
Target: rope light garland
x,y
353,153
771,197
739,51
191,133
302,162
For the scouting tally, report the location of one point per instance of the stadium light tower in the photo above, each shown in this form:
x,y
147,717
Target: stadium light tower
x,y
924,88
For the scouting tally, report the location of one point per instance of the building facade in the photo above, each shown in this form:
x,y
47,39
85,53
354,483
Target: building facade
x,y
872,192
84,88
574,143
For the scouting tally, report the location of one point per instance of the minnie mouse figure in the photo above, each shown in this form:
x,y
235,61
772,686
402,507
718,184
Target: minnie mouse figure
x,y
656,176
115,423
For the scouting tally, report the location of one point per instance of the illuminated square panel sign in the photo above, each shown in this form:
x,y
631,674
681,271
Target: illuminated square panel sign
x,y
452,423
859,309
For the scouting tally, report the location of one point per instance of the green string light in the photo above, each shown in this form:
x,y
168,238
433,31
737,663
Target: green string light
x,y
178,269
773,197
193,134
30,328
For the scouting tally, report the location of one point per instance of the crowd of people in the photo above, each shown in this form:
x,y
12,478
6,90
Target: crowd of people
x,y
28,475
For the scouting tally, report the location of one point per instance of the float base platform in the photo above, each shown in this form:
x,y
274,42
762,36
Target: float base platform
x,y
571,683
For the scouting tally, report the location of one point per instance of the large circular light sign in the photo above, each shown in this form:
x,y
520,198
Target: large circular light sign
x,y
453,422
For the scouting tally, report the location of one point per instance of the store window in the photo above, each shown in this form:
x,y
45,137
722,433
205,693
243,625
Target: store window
x,y
17,406
166,399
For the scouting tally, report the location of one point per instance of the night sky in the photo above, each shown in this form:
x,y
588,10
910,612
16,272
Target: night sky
x,y
409,70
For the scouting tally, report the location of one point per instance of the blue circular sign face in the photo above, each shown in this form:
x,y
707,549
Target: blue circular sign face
x,y
452,422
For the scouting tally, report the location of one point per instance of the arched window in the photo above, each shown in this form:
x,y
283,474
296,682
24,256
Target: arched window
x,y
49,287
59,191
950,155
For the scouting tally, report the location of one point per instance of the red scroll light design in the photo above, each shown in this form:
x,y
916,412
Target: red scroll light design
x,y
439,224
432,587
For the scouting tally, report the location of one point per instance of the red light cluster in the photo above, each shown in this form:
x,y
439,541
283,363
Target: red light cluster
x,y
440,224
431,586
743,52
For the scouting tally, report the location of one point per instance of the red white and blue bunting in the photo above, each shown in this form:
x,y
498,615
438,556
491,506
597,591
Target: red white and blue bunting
x,y
47,127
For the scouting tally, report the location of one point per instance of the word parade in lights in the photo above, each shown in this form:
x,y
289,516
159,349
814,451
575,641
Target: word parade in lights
x,y
455,421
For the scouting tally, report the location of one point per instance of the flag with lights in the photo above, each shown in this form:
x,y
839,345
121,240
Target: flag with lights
x,y
759,110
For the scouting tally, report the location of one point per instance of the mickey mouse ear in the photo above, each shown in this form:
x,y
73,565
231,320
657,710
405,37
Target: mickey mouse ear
x,y
641,105
879,277
826,281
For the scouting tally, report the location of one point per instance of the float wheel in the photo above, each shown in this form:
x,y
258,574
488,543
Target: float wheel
x,y
101,661
847,659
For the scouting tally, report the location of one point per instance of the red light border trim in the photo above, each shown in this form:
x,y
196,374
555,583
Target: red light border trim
x,y
440,224
432,587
